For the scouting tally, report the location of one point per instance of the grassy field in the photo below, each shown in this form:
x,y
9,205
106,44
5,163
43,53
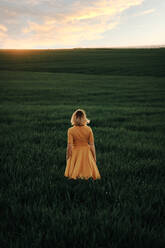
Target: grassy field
x,y
123,93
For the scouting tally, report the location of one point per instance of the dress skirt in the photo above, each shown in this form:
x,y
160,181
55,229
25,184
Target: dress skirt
x,y
81,164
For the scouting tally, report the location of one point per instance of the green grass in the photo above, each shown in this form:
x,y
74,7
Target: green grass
x,y
132,62
126,104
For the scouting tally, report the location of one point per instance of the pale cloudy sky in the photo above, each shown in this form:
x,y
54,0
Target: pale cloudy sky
x,y
83,23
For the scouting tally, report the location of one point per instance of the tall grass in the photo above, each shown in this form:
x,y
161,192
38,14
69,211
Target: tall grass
x,y
39,206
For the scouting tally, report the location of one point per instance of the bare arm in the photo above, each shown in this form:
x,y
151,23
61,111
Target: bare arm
x,y
92,148
68,151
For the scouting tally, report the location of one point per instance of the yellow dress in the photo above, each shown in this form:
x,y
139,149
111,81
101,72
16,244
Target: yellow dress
x,y
81,164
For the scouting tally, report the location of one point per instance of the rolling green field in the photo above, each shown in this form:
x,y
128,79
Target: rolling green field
x,y
123,94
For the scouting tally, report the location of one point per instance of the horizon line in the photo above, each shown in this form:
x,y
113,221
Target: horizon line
x,y
106,47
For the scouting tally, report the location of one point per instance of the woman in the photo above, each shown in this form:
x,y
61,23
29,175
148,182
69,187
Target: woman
x,y
81,154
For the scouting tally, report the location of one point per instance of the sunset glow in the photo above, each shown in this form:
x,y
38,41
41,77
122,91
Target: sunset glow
x,y
93,23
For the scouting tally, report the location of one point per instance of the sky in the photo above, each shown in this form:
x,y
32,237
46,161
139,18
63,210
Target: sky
x,y
47,24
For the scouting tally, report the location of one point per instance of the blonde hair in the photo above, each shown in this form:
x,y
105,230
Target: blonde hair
x,y
79,118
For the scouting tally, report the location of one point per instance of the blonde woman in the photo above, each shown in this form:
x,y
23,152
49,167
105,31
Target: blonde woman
x,y
81,154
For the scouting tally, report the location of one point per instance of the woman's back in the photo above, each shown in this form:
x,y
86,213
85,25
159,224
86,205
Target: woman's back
x,y
81,155
80,135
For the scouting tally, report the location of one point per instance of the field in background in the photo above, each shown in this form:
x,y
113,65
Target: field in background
x,y
122,91
128,62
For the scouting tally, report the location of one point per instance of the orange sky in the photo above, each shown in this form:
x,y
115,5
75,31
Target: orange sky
x,y
92,23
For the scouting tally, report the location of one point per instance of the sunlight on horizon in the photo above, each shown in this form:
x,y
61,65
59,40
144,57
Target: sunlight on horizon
x,y
93,24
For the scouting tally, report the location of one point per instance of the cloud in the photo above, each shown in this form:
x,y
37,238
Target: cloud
x,y
46,23
3,28
145,12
